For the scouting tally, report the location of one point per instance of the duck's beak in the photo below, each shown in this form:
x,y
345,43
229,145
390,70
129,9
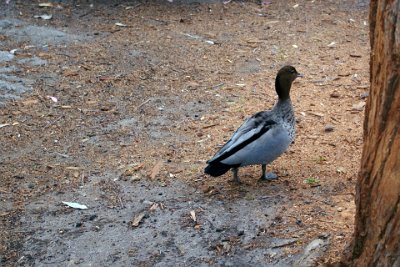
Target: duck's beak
x,y
299,75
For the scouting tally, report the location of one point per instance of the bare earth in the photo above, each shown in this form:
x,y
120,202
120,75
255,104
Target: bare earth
x,y
117,105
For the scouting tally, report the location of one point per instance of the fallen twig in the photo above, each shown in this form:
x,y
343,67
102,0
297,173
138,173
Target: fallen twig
x,y
144,103
284,244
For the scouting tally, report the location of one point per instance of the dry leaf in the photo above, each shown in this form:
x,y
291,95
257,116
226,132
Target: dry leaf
x,y
107,78
29,101
156,169
45,17
316,114
85,67
72,168
4,125
68,73
54,99
193,215
137,219
254,41
137,167
272,22
75,205
132,169
154,206
119,24
46,4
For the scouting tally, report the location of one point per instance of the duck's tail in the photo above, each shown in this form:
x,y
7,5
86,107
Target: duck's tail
x,y
217,169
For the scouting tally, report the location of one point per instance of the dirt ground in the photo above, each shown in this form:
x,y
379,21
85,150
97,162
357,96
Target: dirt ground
x,y
117,105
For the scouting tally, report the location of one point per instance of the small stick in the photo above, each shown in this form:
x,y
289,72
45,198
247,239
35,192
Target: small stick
x,y
138,107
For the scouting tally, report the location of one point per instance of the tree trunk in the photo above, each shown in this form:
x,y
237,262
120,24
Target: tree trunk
x,y
377,231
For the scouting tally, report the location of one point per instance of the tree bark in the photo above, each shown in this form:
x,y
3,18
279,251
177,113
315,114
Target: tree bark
x,y
376,240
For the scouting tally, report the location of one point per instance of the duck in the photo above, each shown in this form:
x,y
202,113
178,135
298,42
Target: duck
x,y
261,138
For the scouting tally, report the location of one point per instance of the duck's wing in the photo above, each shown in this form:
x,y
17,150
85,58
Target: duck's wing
x,y
248,132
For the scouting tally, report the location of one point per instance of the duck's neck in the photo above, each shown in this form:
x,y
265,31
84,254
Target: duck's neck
x,y
282,88
283,103
284,107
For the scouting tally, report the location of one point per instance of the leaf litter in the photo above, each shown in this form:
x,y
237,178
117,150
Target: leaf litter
x,y
238,220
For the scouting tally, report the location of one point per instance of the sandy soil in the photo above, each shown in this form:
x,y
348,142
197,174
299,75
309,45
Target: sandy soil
x,y
117,105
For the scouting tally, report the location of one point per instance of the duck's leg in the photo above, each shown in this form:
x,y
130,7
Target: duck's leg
x,y
235,175
267,176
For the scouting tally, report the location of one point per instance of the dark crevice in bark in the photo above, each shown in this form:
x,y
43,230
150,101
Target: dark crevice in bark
x,y
390,92
358,245
359,238
383,232
373,6
395,12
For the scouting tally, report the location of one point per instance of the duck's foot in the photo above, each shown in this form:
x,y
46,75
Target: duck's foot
x,y
236,178
269,176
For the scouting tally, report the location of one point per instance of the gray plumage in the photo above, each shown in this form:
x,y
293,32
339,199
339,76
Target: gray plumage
x,y
261,138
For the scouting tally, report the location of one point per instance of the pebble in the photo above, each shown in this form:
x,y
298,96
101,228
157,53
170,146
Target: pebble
x,y
328,128
335,94
340,209
323,235
364,95
207,189
135,178
341,170
359,106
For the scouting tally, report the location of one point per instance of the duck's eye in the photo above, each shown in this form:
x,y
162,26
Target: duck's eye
x,y
292,71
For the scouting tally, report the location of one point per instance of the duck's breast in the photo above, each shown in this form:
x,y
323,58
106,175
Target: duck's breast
x,y
263,150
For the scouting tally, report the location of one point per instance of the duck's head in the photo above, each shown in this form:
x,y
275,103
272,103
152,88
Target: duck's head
x,y
284,79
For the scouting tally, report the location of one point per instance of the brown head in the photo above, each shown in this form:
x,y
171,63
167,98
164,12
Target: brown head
x,y
284,79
